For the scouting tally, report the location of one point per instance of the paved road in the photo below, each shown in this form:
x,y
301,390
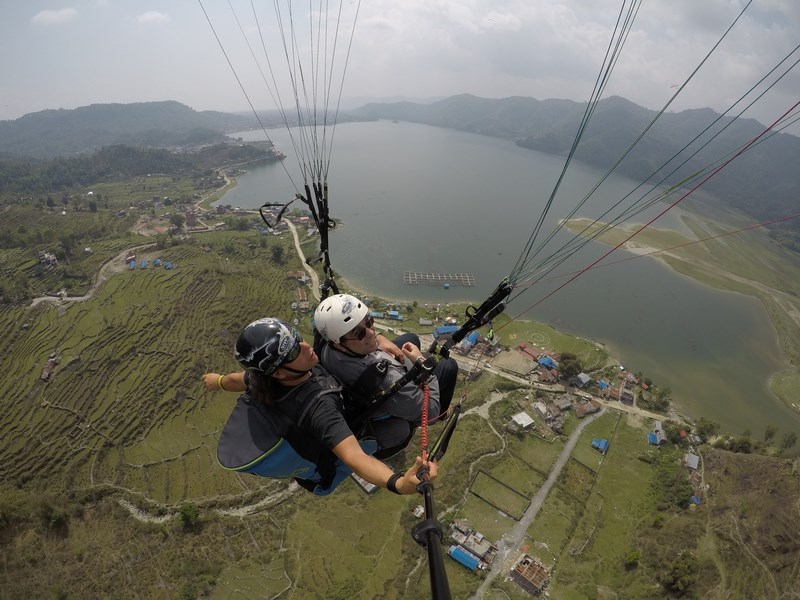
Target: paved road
x,y
508,546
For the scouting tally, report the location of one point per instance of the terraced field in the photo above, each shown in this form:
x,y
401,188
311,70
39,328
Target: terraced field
x,y
124,406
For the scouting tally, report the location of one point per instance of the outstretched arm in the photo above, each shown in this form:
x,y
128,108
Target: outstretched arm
x,y
232,382
374,471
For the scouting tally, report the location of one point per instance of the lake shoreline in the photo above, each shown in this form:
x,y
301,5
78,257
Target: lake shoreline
x,y
663,255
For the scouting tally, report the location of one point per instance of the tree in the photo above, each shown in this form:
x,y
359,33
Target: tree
x,y
569,366
177,219
788,440
706,428
681,574
672,430
770,432
189,515
50,202
742,444
632,560
277,254
92,206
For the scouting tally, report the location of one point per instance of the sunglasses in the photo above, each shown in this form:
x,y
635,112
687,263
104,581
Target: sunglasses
x,y
290,356
360,332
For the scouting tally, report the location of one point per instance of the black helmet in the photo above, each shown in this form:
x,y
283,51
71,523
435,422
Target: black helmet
x,y
266,344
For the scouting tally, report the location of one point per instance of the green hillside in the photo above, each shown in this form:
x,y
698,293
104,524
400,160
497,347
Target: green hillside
x,y
50,133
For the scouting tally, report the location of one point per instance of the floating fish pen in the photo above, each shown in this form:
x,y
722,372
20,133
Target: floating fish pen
x,y
443,279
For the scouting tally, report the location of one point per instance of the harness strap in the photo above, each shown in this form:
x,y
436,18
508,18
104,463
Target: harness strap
x,y
419,373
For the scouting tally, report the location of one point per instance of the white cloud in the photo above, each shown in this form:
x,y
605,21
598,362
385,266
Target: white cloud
x,y
54,17
152,16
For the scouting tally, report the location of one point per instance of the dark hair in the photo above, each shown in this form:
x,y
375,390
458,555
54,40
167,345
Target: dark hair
x,y
263,388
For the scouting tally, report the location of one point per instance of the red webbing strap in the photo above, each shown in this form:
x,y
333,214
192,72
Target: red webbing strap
x,y
423,433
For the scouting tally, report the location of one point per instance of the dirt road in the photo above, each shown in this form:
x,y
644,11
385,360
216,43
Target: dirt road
x,y
113,265
508,546
311,272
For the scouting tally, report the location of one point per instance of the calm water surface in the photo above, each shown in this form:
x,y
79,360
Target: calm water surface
x,y
420,198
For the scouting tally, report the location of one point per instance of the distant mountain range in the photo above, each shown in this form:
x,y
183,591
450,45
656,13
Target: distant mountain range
x,y
764,182
50,133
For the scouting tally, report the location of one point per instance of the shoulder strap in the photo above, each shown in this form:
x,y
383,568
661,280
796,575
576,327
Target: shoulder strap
x,y
360,397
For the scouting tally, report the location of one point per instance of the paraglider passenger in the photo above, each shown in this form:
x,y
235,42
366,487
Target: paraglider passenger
x,y
354,347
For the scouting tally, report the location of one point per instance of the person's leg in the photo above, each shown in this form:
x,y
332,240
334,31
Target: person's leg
x,y
406,337
446,371
392,434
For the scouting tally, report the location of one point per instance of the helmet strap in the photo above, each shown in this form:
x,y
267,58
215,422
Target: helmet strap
x,y
298,374
345,350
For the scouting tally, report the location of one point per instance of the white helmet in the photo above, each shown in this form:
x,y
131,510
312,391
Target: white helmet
x,y
339,314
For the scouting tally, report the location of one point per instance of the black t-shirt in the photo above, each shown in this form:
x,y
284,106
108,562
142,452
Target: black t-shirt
x,y
325,421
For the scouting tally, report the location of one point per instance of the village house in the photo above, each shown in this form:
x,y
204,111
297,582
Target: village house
x,y
581,409
626,396
49,367
523,420
582,380
530,575
473,542
692,461
47,258
565,404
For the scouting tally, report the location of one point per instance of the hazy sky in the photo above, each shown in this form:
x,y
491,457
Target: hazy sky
x,y
70,53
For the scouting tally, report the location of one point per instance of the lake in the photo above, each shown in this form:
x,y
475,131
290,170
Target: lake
x,y
418,198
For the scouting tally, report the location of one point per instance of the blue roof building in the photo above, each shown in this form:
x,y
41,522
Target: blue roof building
x,y
601,445
460,555
602,384
547,361
444,330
